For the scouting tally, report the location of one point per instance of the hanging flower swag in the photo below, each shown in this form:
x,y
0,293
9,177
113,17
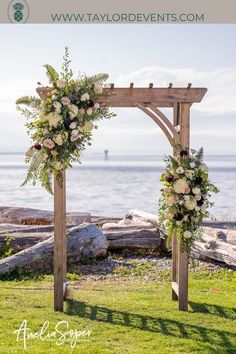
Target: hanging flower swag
x,y
61,124
184,199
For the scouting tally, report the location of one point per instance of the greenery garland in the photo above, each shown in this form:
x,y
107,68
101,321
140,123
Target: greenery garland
x,y
185,196
61,125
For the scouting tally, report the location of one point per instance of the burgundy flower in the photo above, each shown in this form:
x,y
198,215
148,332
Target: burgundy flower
x,y
37,146
198,180
178,217
183,153
67,122
200,202
90,103
169,178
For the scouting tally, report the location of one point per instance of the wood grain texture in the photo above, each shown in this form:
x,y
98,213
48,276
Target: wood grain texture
x,y
126,97
59,243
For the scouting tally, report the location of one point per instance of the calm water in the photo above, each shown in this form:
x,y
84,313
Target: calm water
x,y
113,187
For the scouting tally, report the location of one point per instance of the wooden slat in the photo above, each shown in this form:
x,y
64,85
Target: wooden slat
x,y
174,265
161,97
183,256
59,244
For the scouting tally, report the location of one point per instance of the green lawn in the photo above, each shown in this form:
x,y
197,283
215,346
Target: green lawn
x,y
125,315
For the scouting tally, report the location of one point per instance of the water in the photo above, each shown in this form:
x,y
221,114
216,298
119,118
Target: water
x,y
113,187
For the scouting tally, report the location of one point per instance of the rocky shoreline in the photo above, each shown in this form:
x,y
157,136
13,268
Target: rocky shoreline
x,y
108,238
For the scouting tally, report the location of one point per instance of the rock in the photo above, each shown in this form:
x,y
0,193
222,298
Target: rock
x,y
82,241
27,216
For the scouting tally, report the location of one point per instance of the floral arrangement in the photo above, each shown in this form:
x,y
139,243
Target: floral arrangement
x,y
185,196
61,124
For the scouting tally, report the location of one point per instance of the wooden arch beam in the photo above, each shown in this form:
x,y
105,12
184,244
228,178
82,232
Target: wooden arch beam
x,y
157,121
163,117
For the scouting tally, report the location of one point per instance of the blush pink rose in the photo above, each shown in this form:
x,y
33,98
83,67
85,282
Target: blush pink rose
x,y
74,137
186,190
65,100
49,143
54,153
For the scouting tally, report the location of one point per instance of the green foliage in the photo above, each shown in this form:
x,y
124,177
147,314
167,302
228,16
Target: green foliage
x,y
51,73
66,73
6,249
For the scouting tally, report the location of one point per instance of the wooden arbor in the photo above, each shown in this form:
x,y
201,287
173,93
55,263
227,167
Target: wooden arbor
x,y
149,100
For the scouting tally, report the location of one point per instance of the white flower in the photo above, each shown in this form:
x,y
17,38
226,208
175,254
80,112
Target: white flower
x,y
43,118
57,105
196,190
98,89
87,127
197,208
189,173
97,106
29,153
53,119
186,197
72,125
192,164
181,202
171,200
73,111
89,111
65,101
61,83
204,167
187,234
85,97
180,170
58,165
181,186
58,139
198,197
185,218
75,132
49,143
190,204
74,137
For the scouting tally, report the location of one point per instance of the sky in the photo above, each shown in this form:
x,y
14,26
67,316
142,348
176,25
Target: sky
x,y
201,54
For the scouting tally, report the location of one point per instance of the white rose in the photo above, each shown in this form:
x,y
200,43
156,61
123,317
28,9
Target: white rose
x,y
72,125
97,106
87,127
180,186
53,119
190,204
73,110
85,97
75,132
171,200
89,111
61,83
186,197
187,234
98,89
197,208
180,170
196,190
58,139
58,165
57,106
189,174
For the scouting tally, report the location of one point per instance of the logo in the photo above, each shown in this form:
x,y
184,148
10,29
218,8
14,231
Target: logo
x,y
18,11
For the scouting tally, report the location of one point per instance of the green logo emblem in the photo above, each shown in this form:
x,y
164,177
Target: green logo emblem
x,y
18,11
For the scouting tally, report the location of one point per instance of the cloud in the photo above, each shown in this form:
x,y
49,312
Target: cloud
x,y
221,84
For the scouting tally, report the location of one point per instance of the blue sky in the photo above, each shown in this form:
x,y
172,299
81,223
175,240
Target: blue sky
x,y
201,54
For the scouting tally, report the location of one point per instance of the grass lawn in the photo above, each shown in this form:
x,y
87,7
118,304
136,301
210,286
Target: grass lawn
x,y
124,314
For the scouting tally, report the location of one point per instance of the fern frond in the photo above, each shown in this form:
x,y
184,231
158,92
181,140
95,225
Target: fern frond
x,y
30,101
51,73
99,78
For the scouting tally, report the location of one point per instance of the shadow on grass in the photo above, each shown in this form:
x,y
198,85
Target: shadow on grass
x,y
220,339
221,311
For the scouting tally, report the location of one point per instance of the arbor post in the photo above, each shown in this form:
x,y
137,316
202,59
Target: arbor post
x,y
60,257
